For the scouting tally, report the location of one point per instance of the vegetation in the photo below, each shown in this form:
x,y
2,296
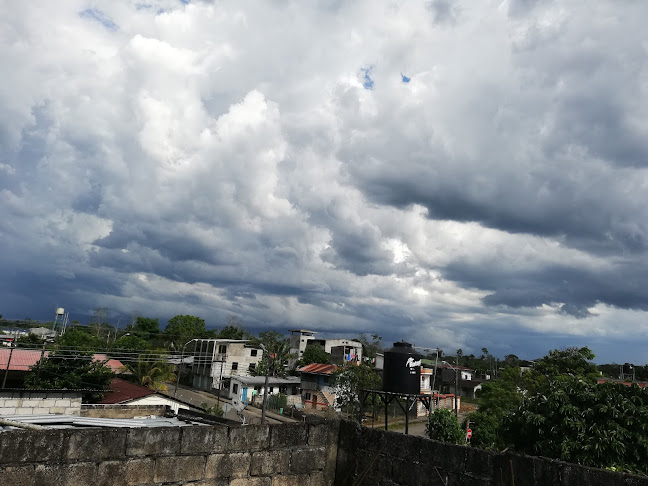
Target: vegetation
x,y
275,359
71,370
314,353
348,382
212,409
442,425
184,328
152,372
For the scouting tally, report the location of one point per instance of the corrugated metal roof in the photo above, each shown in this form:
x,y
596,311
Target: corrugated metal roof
x,y
23,359
67,421
123,391
319,369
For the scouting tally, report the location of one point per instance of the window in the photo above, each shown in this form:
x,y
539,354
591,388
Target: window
x,y
252,366
253,352
235,389
222,349
234,366
308,396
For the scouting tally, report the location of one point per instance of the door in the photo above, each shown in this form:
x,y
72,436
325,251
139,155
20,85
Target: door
x,y
314,400
244,395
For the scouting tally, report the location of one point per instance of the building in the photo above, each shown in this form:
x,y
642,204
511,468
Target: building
x,y
216,361
317,392
125,393
250,389
341,350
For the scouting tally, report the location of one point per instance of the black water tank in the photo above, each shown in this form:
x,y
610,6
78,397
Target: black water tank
x,y
402,369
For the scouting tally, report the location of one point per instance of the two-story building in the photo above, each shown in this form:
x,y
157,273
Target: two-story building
x,y
216,361
342,351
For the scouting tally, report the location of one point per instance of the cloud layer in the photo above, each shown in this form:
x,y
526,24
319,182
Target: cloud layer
x,y
454,173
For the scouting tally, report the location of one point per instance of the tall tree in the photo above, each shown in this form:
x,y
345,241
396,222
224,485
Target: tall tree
x,y
275,359
314,353
152,372
183,328
348,382
145,327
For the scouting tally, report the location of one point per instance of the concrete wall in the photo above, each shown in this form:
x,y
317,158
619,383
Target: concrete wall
x,y
281,455
371,457
23,402
121,411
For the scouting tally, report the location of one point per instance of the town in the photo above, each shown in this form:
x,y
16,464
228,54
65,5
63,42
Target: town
x,y
70,374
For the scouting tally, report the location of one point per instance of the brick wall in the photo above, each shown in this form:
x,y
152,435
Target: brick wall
x,y
371,457
262,455
22,402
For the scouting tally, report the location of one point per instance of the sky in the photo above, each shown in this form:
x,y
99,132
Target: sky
x,y
454,173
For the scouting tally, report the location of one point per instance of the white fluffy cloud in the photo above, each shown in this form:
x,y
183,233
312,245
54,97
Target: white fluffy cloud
x,y
451,173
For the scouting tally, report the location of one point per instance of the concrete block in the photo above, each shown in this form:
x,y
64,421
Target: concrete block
x,y
151,441
110,473
96,445
197,440
449,457
72,411
288,435
265,463
12,402
62,402
17,476
24,411
307,460
179,468
479,463
517,467
251,482
139,471
55,395
60,410
48,402
21,446
298,480
249,438
77,474
317,434
38,395
235,464
6,411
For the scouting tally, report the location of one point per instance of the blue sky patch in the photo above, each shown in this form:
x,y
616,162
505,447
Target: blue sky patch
x,y
99,16
367,82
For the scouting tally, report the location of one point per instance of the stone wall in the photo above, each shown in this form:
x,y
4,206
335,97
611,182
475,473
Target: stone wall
x,y
263,455
100,410
375,457
25,402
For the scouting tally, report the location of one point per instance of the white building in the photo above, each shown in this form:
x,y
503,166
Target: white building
x,y
341,350
216,361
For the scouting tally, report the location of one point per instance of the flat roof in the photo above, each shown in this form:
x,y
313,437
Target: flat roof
x,y
260,380
303,330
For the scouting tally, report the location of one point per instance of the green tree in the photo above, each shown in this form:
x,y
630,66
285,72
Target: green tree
x,y
277,354
144,327
348,382
442,425
30,340
569,361
370,347
151,371
184,328
79,338
595,425
71,370
130,344
314,353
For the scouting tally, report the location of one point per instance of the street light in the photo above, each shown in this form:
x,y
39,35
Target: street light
x,y
265,384
180,367
456,370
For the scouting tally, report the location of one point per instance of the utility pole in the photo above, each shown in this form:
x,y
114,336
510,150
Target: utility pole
x,y
4,380
456,404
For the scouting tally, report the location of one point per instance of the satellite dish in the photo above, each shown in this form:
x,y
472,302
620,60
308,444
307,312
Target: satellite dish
x,y
239,407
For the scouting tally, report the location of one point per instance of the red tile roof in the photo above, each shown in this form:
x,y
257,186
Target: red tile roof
x,y
125,391
23,359
318,369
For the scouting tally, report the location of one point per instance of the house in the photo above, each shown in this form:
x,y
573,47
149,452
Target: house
x,y
342,351
125,393
250,389
317,392
216,361
43,333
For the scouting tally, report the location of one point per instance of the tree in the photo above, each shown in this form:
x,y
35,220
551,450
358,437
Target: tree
x,y
71,370
151,371
314,353
29,340
79,338
442,425
145,327
275,359
184,328
600,425
131,344
569,361
99,320
348,382
370,347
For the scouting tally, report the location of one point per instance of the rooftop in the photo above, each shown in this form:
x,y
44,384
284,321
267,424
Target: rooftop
x,y
318,369
23,359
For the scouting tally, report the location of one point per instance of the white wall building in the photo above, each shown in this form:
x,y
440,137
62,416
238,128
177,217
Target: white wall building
x,y
216,361
341,350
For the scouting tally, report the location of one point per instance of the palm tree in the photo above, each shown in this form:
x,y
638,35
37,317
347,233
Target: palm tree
x,y
152,372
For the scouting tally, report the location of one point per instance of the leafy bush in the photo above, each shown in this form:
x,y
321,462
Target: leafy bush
x,y
442,425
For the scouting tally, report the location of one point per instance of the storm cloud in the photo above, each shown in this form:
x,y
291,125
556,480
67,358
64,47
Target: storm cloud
x,y
451,173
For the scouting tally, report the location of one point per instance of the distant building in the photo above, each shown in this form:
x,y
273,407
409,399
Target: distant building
x,y
125,393
342,351
317,391
250,389
216,361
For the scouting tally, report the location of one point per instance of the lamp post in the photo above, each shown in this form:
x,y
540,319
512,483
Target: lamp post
x,y
265,384
456,370
180,366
